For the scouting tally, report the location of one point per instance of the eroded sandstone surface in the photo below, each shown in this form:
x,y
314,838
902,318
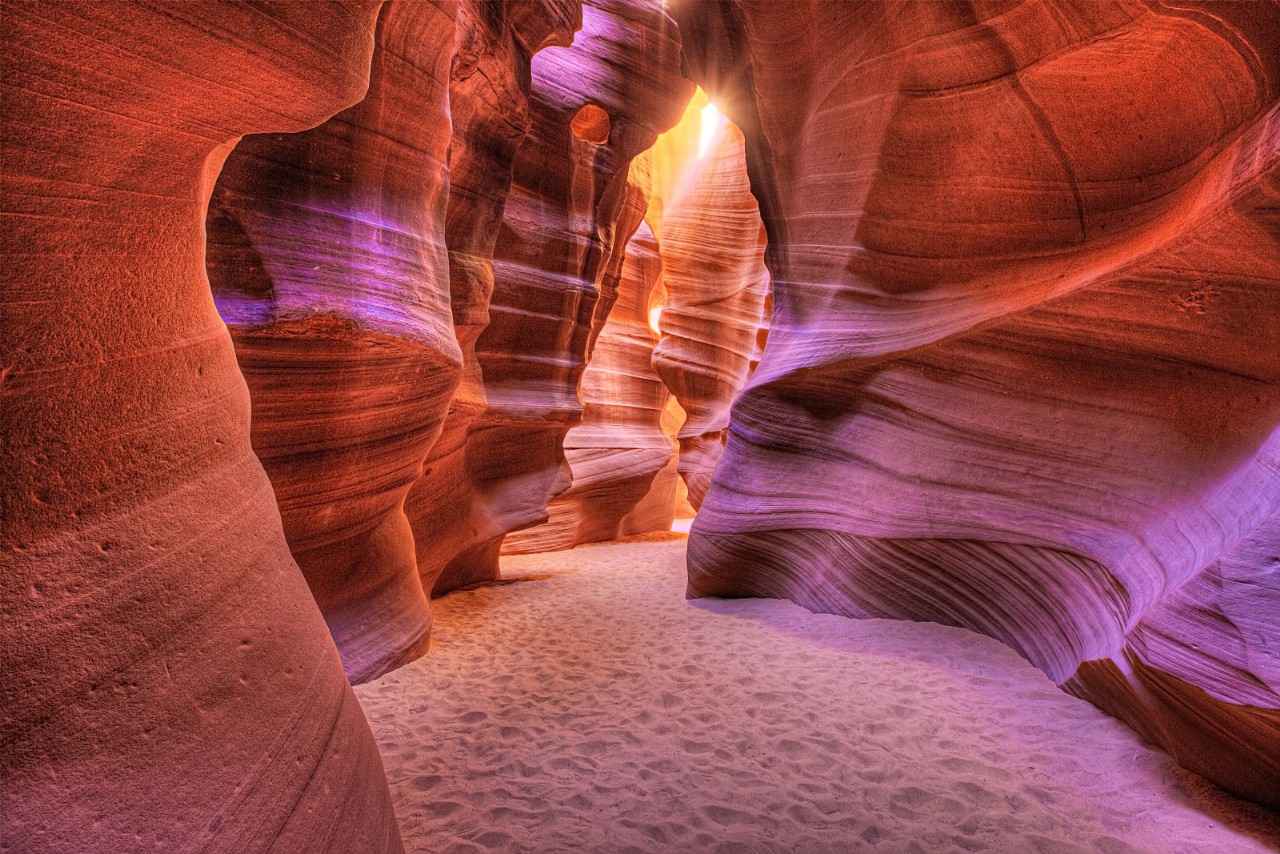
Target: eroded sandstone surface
x,y
712,246
592,108
327,259
166,680
620,448
1022,370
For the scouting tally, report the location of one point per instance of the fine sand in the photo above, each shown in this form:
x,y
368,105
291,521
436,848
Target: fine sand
x,y
587,706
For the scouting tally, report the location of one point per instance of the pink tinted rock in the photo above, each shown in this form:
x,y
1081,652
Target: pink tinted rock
x,y
327,260
166,680
1022,373
712,247
618,450
489,94
556,261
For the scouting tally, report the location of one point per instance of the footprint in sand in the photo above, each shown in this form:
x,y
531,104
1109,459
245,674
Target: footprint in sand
x,y
729,816
912,802
425,782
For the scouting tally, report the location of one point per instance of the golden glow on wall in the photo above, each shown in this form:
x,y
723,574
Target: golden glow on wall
x,y
711,124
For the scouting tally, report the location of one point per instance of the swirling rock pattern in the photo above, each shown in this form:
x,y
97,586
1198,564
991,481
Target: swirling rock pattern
x,y
712,249
593,107
618,450
489,92
1022,372
327,260
166,681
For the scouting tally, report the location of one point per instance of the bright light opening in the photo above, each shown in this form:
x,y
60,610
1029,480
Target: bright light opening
x,y
711,122
655,315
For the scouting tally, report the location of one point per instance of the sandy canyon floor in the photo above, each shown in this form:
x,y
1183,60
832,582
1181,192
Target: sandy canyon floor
x,y
586,706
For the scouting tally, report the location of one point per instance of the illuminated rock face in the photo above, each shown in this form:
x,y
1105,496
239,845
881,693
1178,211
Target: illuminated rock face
x,y
618,450
1022,372
489,91
327,259
592,108
713,255
166,680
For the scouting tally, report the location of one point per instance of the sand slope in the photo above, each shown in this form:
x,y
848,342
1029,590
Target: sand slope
x,y
588,706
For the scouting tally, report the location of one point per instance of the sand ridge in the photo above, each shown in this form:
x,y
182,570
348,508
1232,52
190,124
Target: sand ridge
x,y
587,706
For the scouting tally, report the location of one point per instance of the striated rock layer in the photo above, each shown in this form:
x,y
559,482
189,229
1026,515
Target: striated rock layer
x,y
713,255
166,681
489,91
619,449
327,259
592,108
1022,371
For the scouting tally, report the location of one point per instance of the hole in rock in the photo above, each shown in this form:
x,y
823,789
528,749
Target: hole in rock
x,y
591,124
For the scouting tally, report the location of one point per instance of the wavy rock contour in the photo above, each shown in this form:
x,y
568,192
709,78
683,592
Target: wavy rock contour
x,y
593,107
166,681
1022,373
717,285
619,449
327,260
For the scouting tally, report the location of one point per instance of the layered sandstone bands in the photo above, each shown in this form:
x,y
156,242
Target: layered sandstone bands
x,y
712,247
694,332
488,91
327,259
620,448
592,108
167,680
1022,371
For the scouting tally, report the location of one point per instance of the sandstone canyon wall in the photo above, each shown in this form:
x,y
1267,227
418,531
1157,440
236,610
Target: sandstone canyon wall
x,y
327,259
620,448
694,333
166,681
489,92
1023,369
712,246
558,254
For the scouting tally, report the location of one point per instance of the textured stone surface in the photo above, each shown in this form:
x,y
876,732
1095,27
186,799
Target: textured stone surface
x,y
1022,373
712,250
327,260
592,107
620,447
166,681
489,92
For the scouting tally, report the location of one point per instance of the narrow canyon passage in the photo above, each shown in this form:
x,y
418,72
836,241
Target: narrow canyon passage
x,y
324,320
585,705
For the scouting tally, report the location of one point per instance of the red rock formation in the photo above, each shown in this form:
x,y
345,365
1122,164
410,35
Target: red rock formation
x,y
561,240
1022,374
713,253
489,102
620,447
166,681
327,260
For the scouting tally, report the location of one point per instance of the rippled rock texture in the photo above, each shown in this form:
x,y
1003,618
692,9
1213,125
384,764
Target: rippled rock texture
x,y
591,108
712,245
327,259
488,91
1022,370
620,447
166,680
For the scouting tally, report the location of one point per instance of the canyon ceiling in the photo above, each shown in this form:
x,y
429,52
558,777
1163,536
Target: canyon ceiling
x,y
311,309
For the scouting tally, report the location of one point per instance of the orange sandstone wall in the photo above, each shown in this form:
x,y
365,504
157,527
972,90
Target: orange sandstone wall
x,y
327,259
712,248
166,680
592,108
1022,374
620,447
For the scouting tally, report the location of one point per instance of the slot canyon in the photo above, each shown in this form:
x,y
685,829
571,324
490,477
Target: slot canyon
x,y
640,425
